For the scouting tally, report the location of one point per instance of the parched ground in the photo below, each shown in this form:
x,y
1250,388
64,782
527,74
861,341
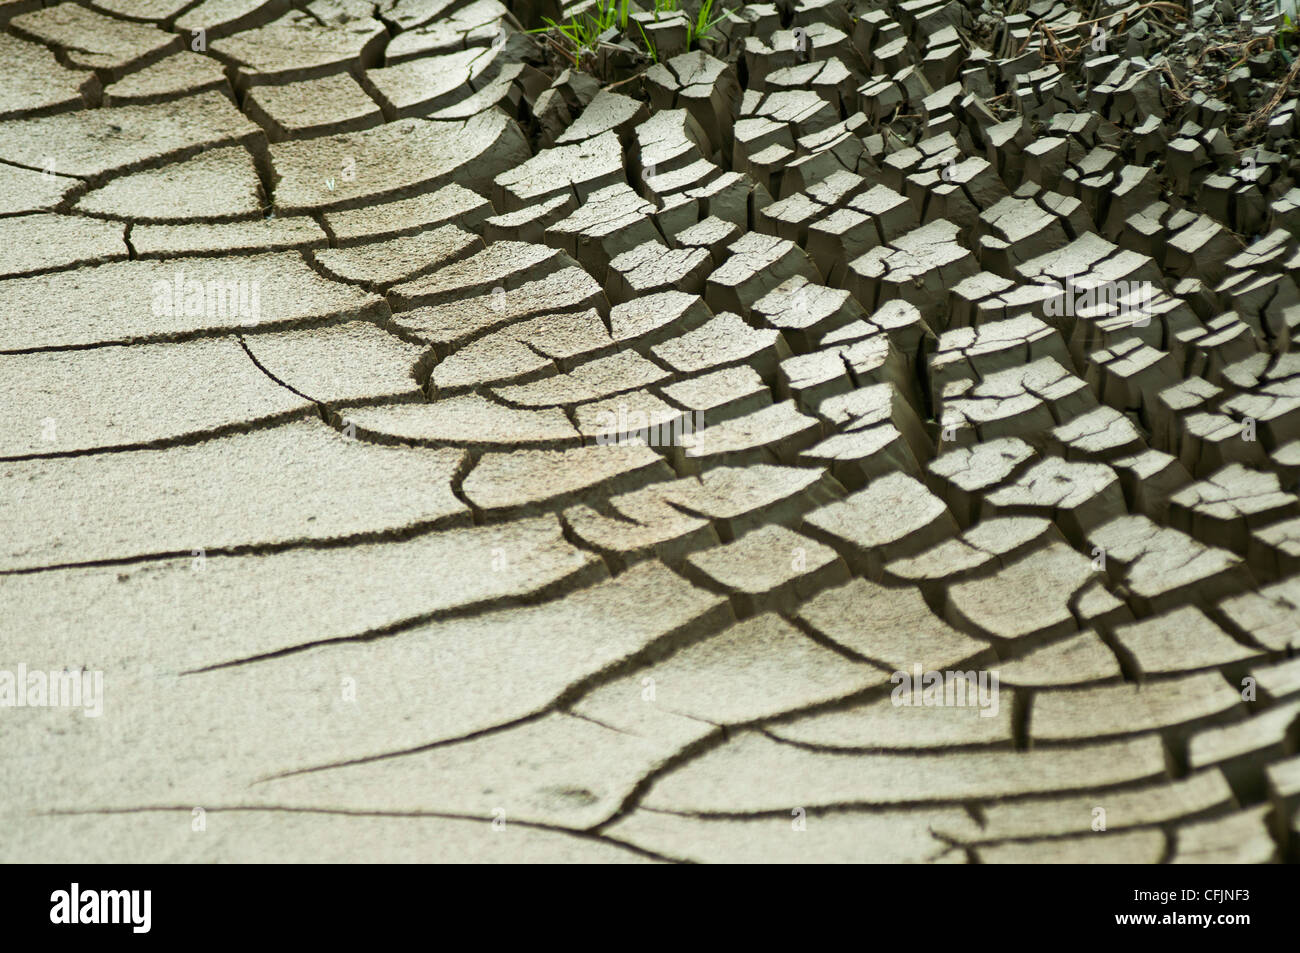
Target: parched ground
x,y
328,332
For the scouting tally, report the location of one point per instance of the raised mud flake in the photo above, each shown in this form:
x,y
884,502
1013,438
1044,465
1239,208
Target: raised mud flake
x,y
1225,507
879,433
330,36
996,346
1275,411
985,297
607,112
874,404
988,544
831,80
91,143
791,216
656,318
1129,374
1161,568
451,203
1101,434
711,234
593,380
431,85
835,371
1076,496
329,105
180,74
215,184
705,86
758,264
528,480
1270,616
1016,229
1278,682
1184,640
444,27
458,321
1174,706
643,524
893,516
667,188
1025,402
804,311
584,168
1221,342
669,140
224,17
1031,598
33,81
722,341
31,244
963,476
540,347
397,160
94,41
651,267
287,484
504,265
1274,550
724,502
876,216
529,224
1150,479
1240,838
1075,660
1243,750
858,456
637,415
381,264
75,401
610,222
917,267
30,190
731,197
768,569
772,434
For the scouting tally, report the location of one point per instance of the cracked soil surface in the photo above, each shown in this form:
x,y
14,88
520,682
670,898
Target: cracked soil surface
x,y
444,453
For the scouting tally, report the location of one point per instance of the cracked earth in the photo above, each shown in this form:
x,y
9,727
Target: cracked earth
x,y
330,334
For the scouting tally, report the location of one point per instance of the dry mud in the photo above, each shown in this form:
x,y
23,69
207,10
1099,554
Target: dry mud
x,y
418,448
